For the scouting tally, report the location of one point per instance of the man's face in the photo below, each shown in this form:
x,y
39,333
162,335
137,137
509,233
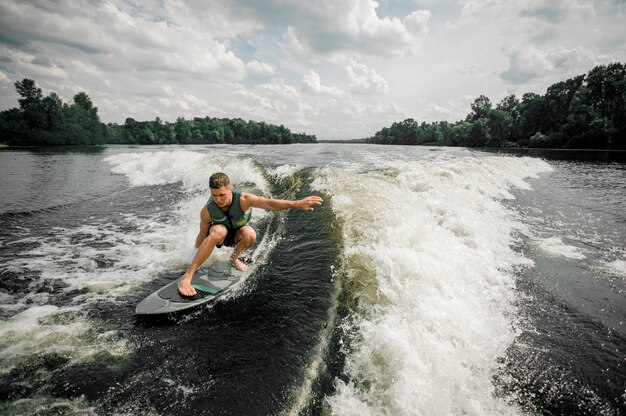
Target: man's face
x,y
223,196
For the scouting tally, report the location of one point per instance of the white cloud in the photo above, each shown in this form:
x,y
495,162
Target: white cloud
x,y
28,63
417,22
259,68
557,10
109,37
330,27
312,84
365,80
292,44
451,109
528,63
4,79
278,88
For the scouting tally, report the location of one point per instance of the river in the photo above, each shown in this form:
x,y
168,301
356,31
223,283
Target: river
x,y
432,281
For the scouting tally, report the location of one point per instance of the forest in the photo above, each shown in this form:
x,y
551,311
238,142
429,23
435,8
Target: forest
x,y
585,112
48,121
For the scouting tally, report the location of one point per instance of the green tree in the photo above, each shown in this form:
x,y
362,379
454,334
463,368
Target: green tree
x,y
459,133
146,136
509,104
182,131
500,128
85,123
480,108
532,118
30,93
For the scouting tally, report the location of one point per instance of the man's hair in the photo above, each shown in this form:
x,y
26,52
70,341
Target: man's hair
x,y
219,179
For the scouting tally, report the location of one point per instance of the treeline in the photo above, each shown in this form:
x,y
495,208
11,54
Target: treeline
x,y
205,130
48,121
588,111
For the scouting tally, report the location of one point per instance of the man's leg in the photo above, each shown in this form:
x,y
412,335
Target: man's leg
x,y
245,237
216,236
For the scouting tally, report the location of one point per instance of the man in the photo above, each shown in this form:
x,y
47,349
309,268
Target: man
x,y
224,219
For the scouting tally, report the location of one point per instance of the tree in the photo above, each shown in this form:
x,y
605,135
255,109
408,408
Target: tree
x,y
480,108
459,133
532,118
500,128
509,104
50,121
86,124
479,134
587,111
182,130
30,93
147,136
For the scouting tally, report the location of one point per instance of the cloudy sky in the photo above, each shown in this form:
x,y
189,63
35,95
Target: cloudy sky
x,y
334,68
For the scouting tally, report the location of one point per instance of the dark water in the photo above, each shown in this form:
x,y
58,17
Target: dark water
x,y
571,359
432,281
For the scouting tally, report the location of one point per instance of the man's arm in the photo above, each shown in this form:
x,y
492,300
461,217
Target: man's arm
x,y
250,200
205,224
184,286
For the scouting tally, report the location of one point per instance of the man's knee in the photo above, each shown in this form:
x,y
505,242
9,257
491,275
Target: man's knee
x,y
248,236
218,233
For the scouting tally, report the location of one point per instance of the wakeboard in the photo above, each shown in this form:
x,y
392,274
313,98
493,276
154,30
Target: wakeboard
x,y
210,283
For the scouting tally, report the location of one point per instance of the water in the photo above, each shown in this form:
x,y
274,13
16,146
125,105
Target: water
x,y
431,281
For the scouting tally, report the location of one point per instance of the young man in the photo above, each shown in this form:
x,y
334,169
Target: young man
x,y
224,219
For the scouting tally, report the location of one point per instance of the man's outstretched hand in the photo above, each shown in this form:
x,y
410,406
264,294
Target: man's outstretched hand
x,y
307,203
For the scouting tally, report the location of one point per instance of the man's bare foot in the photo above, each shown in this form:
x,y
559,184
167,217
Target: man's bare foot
x,y
238,264
185,288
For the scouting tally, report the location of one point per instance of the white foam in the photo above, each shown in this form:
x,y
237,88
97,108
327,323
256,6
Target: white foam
x,y
428,256
284,171
47,328
615,267
556,247
55,405
132,258
106,261
192,169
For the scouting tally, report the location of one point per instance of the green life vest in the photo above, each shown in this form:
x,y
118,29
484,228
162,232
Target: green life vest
x,y
236,218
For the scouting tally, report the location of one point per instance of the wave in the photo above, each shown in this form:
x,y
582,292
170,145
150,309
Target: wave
x,y
109,257
428,271
191,169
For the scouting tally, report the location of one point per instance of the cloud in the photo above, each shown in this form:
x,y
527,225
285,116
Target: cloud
x,y
498,12
257,67
352,119
557,11
22,62
275,102
329,27
110,37
450,109
528,63
4,79
312,84
292,44
365,80
417,22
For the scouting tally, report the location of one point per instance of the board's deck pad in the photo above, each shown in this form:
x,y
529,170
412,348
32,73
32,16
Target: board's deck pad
x,y
210,283
172,294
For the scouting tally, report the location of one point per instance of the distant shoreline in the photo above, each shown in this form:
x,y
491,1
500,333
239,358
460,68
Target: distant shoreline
x,y
488,149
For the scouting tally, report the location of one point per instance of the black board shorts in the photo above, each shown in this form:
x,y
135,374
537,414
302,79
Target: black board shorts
x,y
229,240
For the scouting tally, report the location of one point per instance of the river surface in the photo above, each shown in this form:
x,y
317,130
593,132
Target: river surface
x,y
432,281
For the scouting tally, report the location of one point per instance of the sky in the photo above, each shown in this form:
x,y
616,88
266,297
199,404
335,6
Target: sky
x,y
339,69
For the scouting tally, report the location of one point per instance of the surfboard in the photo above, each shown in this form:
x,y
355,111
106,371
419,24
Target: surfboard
x,y
210,283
